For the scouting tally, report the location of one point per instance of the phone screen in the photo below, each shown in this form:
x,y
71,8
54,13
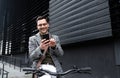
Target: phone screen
x,y
45,36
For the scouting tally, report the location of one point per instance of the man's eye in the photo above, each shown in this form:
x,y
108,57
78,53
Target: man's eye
x,y
42,24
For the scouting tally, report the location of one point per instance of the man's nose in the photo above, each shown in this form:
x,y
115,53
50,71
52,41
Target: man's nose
x,y
42,25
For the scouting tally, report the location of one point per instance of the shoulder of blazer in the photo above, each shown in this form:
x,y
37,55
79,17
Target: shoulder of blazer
x,y
54,36
34,36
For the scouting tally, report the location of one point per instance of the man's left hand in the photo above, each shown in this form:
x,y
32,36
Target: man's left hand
x,y
52,42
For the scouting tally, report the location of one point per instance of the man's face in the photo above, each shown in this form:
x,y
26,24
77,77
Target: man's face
x,y
42,26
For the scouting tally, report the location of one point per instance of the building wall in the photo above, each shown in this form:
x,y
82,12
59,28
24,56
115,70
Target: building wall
x,y
97,54
87,32
18,23
80,20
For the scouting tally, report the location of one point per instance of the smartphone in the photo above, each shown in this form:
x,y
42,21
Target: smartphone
x,y
45,36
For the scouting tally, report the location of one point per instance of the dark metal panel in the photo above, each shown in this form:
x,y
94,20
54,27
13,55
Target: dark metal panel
x,y
97,17
115,17
80,13
81,21
86,25
97,54
86,37
117,51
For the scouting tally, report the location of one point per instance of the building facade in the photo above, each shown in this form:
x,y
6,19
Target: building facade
x,y
88,31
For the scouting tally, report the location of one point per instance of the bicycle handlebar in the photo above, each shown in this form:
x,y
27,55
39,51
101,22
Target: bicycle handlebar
x,y
75,69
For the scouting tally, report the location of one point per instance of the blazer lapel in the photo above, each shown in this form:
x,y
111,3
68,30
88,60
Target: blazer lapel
x,y
38,38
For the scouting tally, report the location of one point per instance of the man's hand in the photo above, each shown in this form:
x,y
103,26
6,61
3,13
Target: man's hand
x,y
44,44
52,42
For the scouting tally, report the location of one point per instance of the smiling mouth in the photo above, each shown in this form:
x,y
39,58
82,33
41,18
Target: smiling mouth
x,y
43,29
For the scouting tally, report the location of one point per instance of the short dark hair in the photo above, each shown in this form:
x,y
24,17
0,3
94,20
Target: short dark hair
x,y
42,17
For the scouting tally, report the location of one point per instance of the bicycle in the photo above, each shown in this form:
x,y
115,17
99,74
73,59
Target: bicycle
x,y
40,72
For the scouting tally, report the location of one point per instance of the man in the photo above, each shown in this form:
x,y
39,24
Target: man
x,y
44,52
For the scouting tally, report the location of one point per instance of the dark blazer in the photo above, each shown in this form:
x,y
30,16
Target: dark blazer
x,y
35,52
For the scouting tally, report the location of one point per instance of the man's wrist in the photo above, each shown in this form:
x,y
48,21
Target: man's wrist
x,y
53,47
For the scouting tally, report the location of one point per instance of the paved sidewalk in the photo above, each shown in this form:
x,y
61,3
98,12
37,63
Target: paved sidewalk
x,y
14,73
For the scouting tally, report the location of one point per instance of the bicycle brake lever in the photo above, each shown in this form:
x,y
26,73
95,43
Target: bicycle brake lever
x,y
85,70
